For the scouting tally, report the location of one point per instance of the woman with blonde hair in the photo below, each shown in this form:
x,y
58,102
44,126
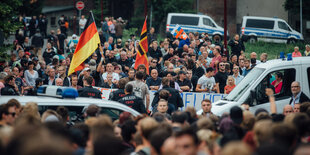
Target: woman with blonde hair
x,y
230,85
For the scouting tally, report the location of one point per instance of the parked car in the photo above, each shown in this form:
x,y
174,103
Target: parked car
x,y
267,29
194,23
76,106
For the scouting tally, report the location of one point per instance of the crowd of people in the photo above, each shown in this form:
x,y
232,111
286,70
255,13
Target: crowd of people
x,y
23,131
197,64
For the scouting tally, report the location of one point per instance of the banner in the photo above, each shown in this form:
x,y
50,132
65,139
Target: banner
x,y
192,99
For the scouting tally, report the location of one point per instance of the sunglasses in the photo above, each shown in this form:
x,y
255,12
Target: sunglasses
x,y
154,62
12,113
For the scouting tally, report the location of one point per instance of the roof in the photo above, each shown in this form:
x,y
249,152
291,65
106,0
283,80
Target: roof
x,y
264,18
279,62
80,101
187,14
50,9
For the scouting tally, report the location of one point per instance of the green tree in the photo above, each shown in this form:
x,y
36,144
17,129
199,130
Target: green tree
x,y
294,7
8,15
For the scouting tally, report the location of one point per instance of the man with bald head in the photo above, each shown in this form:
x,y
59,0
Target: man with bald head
x,y
287,110
59,82
297,95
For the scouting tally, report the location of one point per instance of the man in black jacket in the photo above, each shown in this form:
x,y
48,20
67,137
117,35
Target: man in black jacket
x,y
10,86
132,100
38,42
297,95
88,90
174,96
119,93
237,47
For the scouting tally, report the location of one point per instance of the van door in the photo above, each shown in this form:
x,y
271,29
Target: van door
x,y
282,90
306,79
283,31
209,25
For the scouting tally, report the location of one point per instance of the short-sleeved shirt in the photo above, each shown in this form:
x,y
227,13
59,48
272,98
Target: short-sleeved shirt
x,y
140,89
114,75
221,78
206,82
151,82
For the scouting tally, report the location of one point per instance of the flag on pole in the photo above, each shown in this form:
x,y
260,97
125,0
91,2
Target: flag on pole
x,y
86,46
179,32
141,57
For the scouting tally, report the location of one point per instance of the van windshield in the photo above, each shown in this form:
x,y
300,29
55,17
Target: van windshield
x,y
243,86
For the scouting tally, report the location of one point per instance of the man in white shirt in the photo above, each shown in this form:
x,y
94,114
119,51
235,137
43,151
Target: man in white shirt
x,y
206,83
82,23
110,69
236,75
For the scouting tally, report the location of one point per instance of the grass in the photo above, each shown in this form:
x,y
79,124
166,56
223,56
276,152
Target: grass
x,y
272,49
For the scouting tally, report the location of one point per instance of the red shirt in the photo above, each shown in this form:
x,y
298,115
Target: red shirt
x,y
278,87
296,54
212,64
229,88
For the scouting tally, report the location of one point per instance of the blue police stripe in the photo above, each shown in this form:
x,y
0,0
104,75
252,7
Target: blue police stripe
x,y
195,29
268,33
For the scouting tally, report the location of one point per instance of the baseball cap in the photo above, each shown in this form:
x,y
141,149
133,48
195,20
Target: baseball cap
x,y
56,57
27,53
236,115
35,59
182,72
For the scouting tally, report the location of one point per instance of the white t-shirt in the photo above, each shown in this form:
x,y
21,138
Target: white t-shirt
x,y
82,23
115,76
206,82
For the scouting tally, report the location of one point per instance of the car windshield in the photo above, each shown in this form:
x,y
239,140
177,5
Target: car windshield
x,y
242,87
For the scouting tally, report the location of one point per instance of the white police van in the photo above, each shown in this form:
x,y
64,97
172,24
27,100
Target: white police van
x,y
194,23
251,89
50,97
269,30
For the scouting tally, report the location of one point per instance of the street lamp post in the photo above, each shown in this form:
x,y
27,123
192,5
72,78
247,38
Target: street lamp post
x,y
301,16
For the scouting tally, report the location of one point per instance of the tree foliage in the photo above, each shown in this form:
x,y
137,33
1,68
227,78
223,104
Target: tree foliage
x,y
8,13
294,7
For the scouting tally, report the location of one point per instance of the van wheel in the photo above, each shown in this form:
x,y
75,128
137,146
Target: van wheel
x,y
216,37
252,40
291,41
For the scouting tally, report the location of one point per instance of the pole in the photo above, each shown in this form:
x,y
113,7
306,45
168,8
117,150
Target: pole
x,y
145,8
225,28
101,3
80,12
151,15
197,7
301,16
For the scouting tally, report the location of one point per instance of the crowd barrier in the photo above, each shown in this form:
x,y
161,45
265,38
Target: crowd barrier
x,y
192,99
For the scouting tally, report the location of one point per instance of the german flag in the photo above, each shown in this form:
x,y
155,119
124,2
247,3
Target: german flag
x,y
86,46
141,57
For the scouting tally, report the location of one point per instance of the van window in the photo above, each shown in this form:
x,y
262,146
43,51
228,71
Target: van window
x,y
288,76
283,26
257,23
183,20
208,22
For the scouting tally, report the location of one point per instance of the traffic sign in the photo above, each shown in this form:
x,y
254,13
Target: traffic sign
x,y
79,5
